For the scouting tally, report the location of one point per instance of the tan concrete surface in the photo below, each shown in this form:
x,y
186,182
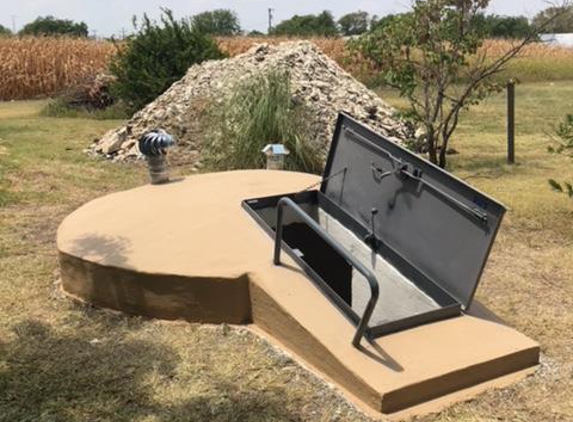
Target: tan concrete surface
x,y
156,250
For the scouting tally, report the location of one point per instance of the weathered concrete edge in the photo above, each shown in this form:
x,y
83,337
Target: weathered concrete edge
x,y
452,382
157,295
432,406
269,316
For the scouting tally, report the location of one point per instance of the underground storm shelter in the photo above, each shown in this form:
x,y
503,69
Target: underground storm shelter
x,y
367,275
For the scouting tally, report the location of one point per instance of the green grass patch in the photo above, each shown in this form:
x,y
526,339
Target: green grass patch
x,y
59,107
40,156
7,197
539,69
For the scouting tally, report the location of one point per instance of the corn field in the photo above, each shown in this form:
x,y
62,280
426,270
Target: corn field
x,y
40,66
34,67
496,48
537,62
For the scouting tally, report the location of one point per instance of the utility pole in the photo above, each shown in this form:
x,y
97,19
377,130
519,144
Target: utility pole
x,y
123,33
270,19
13,23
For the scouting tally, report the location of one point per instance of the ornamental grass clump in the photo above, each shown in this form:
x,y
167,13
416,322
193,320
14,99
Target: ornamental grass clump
x,y
261,111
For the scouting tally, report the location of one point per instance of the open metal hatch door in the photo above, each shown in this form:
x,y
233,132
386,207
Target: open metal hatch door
x,y
385,216
440,224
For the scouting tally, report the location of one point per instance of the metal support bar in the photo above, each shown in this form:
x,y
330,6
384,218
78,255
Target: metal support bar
x,y
480,215
310,222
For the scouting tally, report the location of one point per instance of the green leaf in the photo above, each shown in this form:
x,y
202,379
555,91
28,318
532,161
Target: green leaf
x,y
555,185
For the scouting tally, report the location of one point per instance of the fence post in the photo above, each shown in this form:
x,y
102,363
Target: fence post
x,y
511,121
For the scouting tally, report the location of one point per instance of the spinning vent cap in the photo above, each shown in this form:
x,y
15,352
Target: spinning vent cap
x,y
155,143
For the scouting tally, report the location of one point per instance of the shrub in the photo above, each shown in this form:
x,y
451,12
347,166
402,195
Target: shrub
x,y
157,56
259,113
90,99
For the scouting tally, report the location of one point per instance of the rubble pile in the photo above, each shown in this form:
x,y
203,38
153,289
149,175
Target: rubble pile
x,y
317,81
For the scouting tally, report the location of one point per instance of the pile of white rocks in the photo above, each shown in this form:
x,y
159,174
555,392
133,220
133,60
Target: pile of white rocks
x,y
317,81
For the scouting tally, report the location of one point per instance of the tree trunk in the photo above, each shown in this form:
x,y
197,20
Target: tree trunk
x,y
443,151
431,141
443,158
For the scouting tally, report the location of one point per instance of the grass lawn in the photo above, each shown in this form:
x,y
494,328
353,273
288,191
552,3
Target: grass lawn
x,y
62,361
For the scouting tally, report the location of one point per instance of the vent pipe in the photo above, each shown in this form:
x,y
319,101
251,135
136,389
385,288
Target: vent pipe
x,y
153,145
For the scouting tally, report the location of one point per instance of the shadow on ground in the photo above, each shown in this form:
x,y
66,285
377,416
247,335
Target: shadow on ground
x,y
52,375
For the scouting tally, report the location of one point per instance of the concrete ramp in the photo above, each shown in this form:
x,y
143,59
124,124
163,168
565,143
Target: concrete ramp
x,y
187,250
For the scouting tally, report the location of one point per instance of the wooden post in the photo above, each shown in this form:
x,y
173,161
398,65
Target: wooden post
x,y
511,121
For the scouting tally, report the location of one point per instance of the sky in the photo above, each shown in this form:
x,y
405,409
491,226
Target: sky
x,y
112,17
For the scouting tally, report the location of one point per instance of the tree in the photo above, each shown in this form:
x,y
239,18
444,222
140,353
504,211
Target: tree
x,y
559,18
4,31
354,23
217,22
255,33
322,25
156,56
378,24
433,56
50,25
491,26
495,26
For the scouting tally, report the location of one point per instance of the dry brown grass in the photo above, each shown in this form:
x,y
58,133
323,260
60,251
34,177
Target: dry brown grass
x,y
495,48
43,66
536,62
69,362
35,67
